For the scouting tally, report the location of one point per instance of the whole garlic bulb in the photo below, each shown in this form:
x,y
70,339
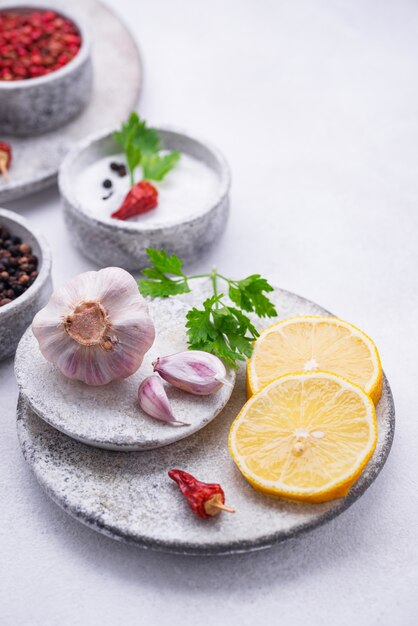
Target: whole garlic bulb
x,y
96,328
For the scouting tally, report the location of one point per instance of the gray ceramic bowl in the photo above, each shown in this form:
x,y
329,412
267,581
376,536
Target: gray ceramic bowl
x,y
37,105
16,316
108,241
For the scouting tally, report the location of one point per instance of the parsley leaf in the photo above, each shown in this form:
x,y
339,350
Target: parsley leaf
x,y
199,324
146,139
167,264
162,288
221,330
161,285
155,167
248,294
125,134
141,146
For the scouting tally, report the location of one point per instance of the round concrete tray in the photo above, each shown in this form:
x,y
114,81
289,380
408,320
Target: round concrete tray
x,y
128,496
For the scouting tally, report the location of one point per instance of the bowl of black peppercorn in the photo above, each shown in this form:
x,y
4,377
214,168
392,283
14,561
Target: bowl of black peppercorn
x,y
25,278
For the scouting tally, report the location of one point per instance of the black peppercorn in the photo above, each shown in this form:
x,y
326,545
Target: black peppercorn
x,y
18,267
107,183
119,168
25,248
18,289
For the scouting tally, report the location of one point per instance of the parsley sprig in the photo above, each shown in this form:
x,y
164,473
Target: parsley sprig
x,y
142,146
218,327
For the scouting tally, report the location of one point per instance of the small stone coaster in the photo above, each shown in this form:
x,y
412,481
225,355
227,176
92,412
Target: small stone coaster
x,y
129,497
109,416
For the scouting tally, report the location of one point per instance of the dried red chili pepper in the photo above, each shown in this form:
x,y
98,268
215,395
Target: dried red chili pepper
x,y
141,198
5,157
205,499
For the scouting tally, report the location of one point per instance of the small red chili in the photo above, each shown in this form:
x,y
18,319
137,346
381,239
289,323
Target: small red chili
x,y
141,198
5,157
205,499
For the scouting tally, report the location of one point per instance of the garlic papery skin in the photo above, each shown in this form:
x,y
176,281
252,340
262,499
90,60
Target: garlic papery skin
x,y
194,371
153,400
96,328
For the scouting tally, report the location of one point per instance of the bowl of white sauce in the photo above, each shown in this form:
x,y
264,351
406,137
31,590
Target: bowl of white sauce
x,y
192,210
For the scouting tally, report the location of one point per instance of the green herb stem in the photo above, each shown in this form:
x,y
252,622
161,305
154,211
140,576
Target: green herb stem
x,y
228,280
199,276
213,276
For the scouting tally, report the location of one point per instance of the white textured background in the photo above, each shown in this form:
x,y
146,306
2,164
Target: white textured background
x,y
315,105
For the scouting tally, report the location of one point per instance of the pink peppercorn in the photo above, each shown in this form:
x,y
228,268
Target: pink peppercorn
x,y
35,42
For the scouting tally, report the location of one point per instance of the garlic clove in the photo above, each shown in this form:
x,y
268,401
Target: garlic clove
x,y
194,371
96,328
153,400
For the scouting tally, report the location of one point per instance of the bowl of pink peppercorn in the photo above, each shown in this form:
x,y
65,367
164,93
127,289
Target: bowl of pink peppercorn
x,y
45,68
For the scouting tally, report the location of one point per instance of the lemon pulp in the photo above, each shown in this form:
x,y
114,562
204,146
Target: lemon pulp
x,y
305,436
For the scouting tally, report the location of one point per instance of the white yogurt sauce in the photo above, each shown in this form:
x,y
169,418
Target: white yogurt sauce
x,y
190,187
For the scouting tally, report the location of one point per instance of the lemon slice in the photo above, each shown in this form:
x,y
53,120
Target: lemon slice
x,y
306,344
305,436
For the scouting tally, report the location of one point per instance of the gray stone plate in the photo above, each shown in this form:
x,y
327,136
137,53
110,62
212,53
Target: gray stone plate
x,y
116,84
109,416
128,496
